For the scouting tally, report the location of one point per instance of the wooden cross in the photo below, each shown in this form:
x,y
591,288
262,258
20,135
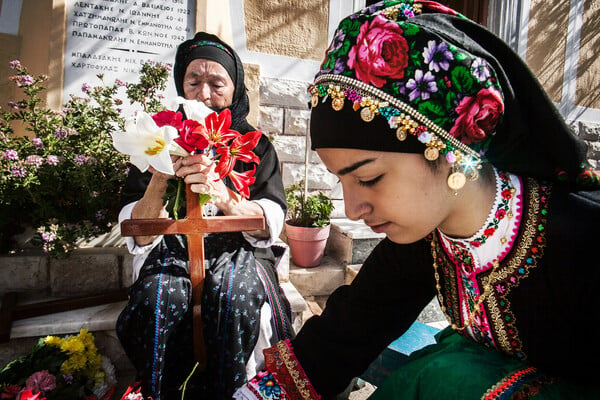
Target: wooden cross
x,y
194,226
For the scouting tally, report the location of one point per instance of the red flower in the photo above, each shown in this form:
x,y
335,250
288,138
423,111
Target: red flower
x,y
500,214
167,117
242,181
478,116
10,392
381,52
506,194
191,136
133,394
489,232
27,395
240,149
216,128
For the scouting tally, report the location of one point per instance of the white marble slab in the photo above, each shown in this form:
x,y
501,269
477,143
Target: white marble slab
x,y
99,318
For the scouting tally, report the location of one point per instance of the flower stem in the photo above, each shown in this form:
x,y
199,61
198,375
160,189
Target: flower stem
x,y
178,198
182,388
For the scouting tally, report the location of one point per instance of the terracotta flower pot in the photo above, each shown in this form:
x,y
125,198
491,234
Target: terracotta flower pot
x,y
307,245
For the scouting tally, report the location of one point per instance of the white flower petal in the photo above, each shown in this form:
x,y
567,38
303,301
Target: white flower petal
x,y
141,162
127,143
194,109
145,123
177,150
162,163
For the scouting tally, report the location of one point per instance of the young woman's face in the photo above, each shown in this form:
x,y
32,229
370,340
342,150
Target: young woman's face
x,y
208,81
394,193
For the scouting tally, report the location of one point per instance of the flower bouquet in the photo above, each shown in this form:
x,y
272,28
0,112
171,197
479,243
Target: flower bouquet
x,y
152,140
60,368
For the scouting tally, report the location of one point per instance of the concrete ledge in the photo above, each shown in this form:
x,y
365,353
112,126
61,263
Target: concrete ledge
x,y
318,281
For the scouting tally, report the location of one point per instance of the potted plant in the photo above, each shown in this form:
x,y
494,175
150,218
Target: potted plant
x,y
308,224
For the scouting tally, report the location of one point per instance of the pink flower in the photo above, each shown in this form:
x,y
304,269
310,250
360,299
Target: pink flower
x,y
14,64
478,116
380,53
500,214
41,381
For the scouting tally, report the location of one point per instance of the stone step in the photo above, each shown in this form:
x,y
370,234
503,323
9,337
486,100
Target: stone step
x,y
101,321
350,242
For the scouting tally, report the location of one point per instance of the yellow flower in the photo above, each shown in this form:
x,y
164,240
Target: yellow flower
x,y
73,364
53,341
72,345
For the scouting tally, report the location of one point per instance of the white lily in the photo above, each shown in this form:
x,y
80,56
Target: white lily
x,y
194,109
146,143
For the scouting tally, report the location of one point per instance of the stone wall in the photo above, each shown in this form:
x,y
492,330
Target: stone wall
x,y
590,133
284,116
86,271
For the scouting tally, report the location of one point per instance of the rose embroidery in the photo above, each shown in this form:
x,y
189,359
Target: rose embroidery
x,y
380,53
478,116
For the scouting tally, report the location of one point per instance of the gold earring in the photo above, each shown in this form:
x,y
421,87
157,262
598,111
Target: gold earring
x,y
456,180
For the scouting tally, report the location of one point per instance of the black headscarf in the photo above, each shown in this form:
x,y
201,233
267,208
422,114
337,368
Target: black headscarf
x,y
202,46
532,139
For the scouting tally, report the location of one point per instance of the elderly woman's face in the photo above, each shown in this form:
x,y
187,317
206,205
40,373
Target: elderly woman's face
x,y
394,193
208,81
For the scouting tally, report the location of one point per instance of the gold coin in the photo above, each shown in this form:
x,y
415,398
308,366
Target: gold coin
x,y
337,104
401,133
367,115
315,100
432,153
456,181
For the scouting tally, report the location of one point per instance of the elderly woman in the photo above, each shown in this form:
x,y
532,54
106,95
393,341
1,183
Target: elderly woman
x,y
443,140
243,308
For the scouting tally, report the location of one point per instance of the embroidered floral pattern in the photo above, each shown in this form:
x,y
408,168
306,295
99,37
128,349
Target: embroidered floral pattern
x,y
457,282
389,51
500,213
281,362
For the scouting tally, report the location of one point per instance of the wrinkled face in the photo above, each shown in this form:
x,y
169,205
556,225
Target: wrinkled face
x,y
208,81
394,193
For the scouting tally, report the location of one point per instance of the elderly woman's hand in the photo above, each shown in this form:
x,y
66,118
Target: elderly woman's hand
x,y
199,172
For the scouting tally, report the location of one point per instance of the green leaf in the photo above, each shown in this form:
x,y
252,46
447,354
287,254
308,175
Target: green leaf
x,y
462,79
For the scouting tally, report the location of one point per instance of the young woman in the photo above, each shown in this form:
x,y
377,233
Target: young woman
x,y
443,140
243,308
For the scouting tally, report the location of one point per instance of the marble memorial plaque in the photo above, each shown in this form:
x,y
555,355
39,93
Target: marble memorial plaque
x,y
115,37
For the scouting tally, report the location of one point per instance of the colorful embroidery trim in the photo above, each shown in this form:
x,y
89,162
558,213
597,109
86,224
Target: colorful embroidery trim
x,y
506,195
202,43
287,371
527,251
399,115
511,384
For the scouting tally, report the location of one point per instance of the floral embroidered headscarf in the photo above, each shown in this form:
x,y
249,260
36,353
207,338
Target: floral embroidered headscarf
x,y
417,77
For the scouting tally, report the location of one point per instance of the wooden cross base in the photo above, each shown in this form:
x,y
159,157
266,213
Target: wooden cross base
x,y
194,226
